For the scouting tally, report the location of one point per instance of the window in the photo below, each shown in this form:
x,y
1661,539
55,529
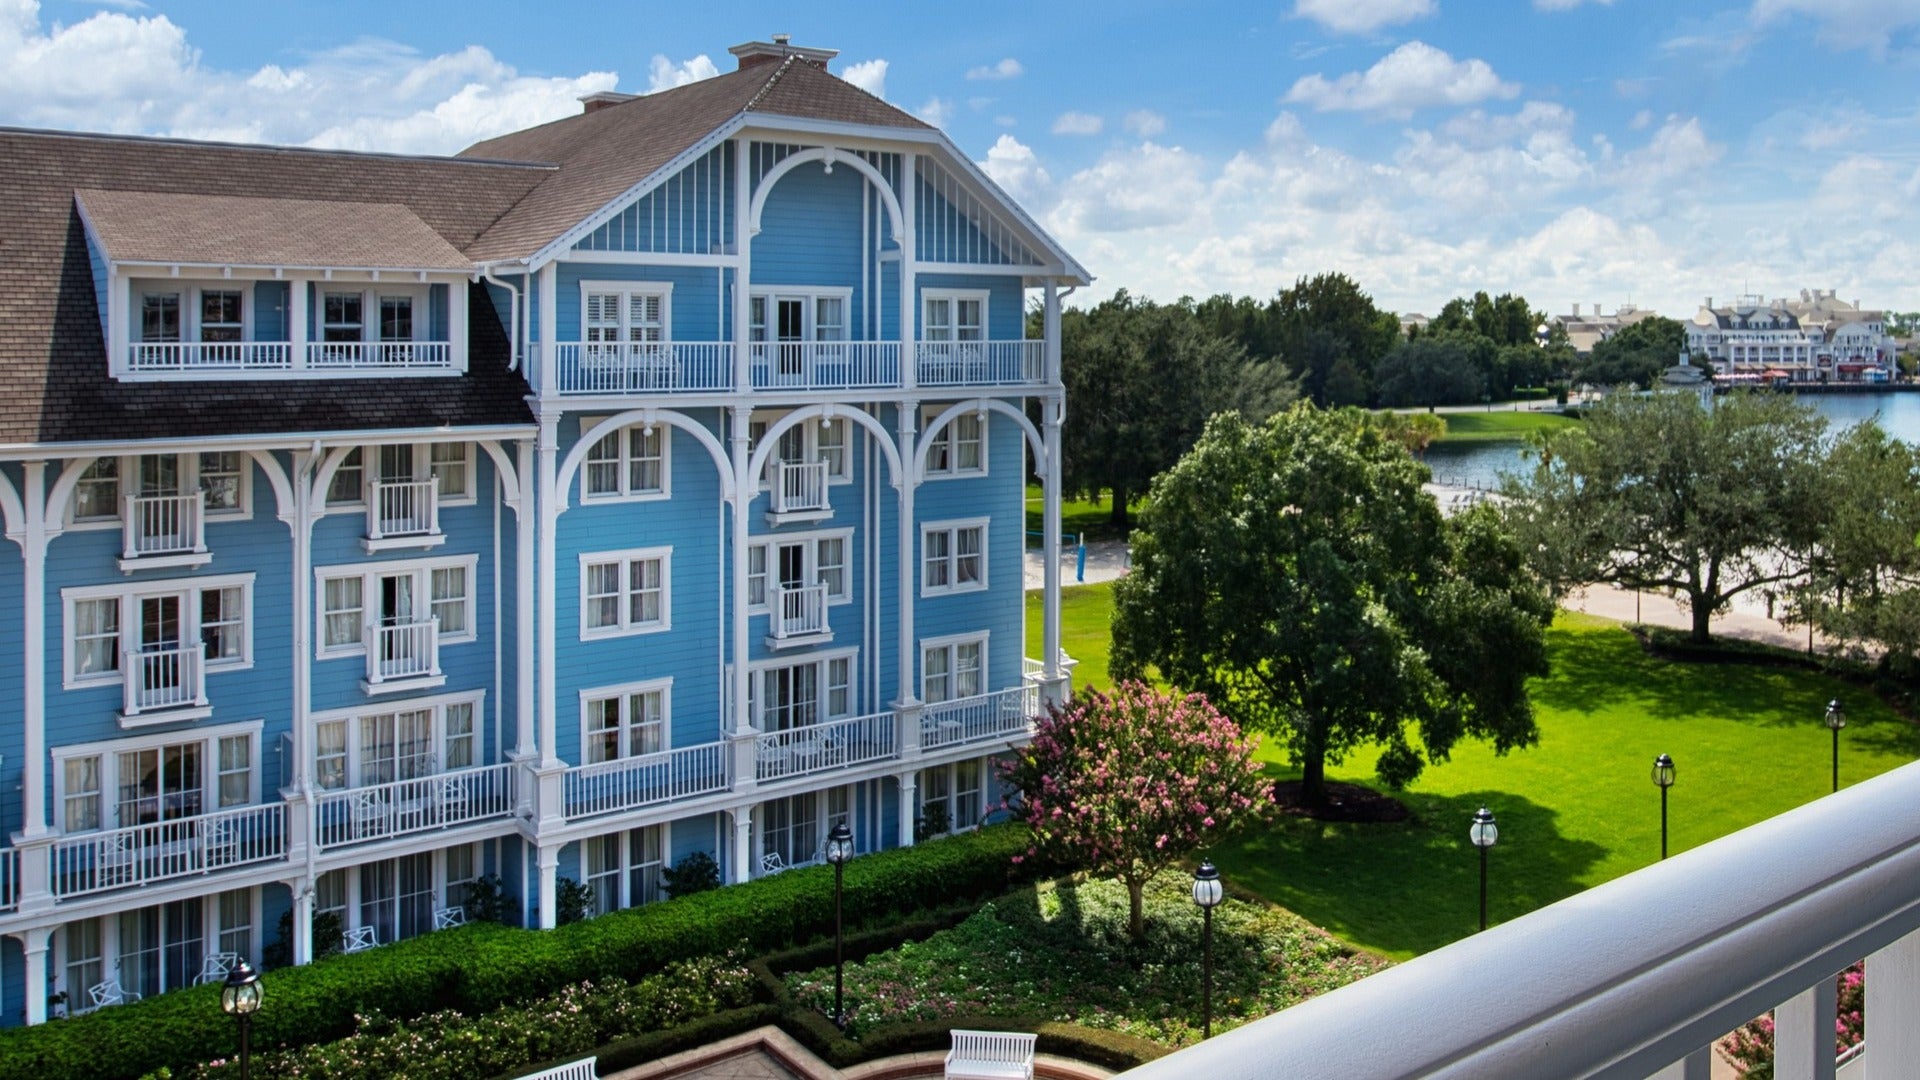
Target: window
x,y
348,484
96,637
224,477
221,317
221,477
450,465
952,668
458,737
624,722
155,778
223,623
953,557
104,623
631,463
791,829
805,443
449,599
235,776
625,592
343,317
954,316
617,312
623,869
391,594
830,318
96,497
85,965
160,317
966,794
960,448
800,559
236,922
463,869
82,798
396,318
161,947
800,314
786,696
430,736
341,612
957,790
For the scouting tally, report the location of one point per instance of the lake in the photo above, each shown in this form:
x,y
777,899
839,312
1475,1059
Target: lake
x,y
1480,464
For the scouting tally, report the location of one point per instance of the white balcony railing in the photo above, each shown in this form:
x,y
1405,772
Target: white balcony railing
x,y
797,610
999,715
421,804
799,487
630,783
196,357
157,680
981,363
162,850
1032,668
380,355
403,650
163,525
651,367
824,365
10,879
832,745
1640,975
403,509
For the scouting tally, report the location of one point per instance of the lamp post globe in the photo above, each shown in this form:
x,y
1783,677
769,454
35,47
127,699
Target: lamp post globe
x,y
839,850
1836,719
1484,832
1663,777
240,998
1207,893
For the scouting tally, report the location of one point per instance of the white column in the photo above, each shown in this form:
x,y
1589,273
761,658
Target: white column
x,y
119,305
549,885
743,270
909,805
523,560
909,245
1803,1034
549,511
1893,995
906,691
299,519
742,869
34,943
742,730
297,321
457,296
1053,411
1695,1066
33,688
549,293
302,943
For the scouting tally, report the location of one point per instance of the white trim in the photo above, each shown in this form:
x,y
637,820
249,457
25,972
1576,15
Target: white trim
x,y
108,751
851,654
624,434
624,872
599,257
953,528
946,434
368,573
627,290
948,641
129,594
811,539
626,557
394,705
626,690
954,296
353,765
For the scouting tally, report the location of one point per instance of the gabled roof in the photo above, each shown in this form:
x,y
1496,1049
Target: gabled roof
x,y
230,230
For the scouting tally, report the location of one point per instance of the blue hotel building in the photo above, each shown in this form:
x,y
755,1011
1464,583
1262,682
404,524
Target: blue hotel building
x,y
646,483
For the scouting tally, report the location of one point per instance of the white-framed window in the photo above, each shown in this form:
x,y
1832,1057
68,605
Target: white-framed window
x,y
783,696
625,311
796,559
953,667
349,484
959,448
392,594
105,622
450,464
415,738
626,592
623,868
631,464
790,828
618,722
153,949
385,313
953,315
953,556
959,789
791,314
189,312
148,778
225,477
804,443
397,897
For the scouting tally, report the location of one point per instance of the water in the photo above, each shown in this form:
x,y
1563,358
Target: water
x,y
1480,464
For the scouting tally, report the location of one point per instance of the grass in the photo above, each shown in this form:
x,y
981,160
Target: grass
x,y
1576,810
1090,516
1086,612
1501,426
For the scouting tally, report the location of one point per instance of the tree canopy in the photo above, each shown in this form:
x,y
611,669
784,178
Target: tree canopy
x,y
1296,574
1636,353
1863,572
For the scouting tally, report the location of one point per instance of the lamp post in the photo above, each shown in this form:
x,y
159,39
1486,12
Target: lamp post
x,y
1663,779
1207,892
240,998
839,850
1484,832
1836,719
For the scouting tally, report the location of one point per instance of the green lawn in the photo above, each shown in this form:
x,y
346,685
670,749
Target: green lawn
x,y
1086,612
1501,426
1089,516
1574,811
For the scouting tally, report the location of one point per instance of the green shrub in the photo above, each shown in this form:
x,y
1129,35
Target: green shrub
x,y
694,874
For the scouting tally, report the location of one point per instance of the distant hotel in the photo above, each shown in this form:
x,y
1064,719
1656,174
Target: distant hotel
x,y
1817,338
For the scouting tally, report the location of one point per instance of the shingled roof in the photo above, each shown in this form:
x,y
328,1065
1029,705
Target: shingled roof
x,y
230,230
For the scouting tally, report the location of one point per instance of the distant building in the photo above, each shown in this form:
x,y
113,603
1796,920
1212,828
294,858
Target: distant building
x,y
1815,338
1584,331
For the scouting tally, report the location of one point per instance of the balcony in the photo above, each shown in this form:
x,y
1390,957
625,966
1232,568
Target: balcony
x,y
164,850
995,717
1639,976
227,358
381,357
245,359
163,531
824,365
403,514
402,655
779,755
163,685
631,783
592,369
982,363
797,615
798,492
422,804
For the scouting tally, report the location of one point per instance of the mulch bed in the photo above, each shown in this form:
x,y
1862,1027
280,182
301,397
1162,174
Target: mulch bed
x,y
1345,802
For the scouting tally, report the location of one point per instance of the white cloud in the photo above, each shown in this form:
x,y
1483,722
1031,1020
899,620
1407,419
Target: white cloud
x,y
1077,123
1679,150
1414,76
1641,120
1144,123
664,74
1012,164
1566,5
937,111
1362,16
1846,24
1008,68
868,75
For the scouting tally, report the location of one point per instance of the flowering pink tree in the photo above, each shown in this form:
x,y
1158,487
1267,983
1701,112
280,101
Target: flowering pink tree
x,y
1750,1048
1127,783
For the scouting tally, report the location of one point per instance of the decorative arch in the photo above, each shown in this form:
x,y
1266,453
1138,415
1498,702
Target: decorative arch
x,y
563,480
830,157
771,439
62,490
282,487
511,482
1034,441
14,509
323,478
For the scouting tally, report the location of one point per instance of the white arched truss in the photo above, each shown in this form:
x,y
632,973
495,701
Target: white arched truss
x,y
14,509
510,479
563,480
282,486
63,490
771,439
323,478
829,157
980,405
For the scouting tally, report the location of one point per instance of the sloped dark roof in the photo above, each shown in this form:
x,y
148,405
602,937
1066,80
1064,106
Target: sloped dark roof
x,y
53,368
229,230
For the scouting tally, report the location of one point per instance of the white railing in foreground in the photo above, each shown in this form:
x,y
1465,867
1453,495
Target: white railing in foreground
x,y
981,363
832,745
628,783
1640,975
161,850
983,716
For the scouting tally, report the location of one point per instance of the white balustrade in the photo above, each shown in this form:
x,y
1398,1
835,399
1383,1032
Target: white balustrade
x,y
629,783
825,365
1639,976
1033,669
163,524
163,850
998,715
643,367
404,508
797,610
832,745
208,357
981,363
388,356
799,486
155,680
419,804
403,650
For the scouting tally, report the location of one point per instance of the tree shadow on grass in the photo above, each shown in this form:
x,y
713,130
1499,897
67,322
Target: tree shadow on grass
x,y
1409,888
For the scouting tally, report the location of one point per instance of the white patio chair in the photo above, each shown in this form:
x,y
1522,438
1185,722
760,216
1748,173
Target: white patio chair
x,y
368,809
111,993
450,795
359,940
449,917
216,967
220,843
772,863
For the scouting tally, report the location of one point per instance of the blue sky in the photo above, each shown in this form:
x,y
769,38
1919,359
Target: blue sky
x,y
1576,151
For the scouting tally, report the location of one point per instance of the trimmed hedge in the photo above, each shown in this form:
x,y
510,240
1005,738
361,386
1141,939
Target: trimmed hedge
x,y
478,968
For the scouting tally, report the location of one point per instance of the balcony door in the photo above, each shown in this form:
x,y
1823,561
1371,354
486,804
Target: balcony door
x,y
790,697
790,328
160,783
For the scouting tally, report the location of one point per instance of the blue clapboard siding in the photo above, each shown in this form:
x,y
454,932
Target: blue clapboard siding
x,y
695,306
1006,303
690,213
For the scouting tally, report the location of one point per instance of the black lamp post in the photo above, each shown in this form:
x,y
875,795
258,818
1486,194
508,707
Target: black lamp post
x,y
1836,719
1483,833
839,850
240,998
1207,892
1663,779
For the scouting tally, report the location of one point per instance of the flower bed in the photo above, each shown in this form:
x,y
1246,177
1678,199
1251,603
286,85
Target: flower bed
x,y
1062,951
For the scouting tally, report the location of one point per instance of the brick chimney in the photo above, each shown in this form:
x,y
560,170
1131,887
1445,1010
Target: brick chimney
x,y
598,100
755,53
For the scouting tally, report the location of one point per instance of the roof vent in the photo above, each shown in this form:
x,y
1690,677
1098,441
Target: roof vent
x,y
600,99
755,53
